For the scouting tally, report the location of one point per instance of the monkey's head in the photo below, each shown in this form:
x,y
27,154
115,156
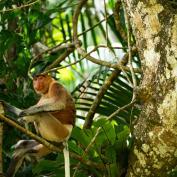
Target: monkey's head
x,y
41,83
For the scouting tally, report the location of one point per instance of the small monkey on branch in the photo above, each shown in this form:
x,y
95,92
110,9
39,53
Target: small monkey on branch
x,y
54,114
29,150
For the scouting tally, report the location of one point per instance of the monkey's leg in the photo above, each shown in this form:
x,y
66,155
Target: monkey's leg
x,y
27,119
53,130
49,127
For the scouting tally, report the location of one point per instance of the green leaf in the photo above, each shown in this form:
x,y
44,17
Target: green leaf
x,y
45,166
75,148
111,154
112,170
82,136
107,133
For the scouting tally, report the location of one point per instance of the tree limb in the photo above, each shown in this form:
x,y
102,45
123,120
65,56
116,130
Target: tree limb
x,y
47,144
108,82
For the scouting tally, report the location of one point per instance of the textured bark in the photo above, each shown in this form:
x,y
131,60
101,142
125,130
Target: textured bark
x,y
1,137
155,148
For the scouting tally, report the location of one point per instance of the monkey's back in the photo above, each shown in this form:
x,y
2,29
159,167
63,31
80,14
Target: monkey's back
x,y
66,116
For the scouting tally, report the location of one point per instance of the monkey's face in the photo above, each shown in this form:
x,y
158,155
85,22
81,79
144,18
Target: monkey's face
x,y
41,83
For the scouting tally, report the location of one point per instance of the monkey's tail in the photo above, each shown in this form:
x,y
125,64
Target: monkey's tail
x,y
66,159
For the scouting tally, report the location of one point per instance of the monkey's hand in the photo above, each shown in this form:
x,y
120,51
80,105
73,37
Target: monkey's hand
x,y
22,114
22,121
26,112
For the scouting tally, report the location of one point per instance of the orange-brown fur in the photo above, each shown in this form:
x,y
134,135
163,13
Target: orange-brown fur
x,y
50,89
52,125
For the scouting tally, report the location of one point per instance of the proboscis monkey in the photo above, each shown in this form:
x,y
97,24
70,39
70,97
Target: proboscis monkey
x,y
53,115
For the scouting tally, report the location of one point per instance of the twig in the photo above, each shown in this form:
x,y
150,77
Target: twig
x,y
118,20
103,62
106,20
60,59
93,50
32,3
128,79
49,51
58,68
99,130
62,45
20,7
82,52
121,109
103,89
87,149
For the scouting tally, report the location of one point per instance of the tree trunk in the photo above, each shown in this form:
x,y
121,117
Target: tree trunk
x,y
1,137
154,152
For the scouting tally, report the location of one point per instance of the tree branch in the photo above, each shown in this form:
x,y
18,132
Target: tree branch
x,y
117,66
20,7
118,20
82,52
63,45
59,60
99,130
75,19
102,91
47,144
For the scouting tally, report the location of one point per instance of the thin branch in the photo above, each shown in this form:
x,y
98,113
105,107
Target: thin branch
x,y
47,144
32,3
20,7
118,20
61,67
75,19
80,34
93,50
70,45
102,91
60,59
127,77
82,52
97,24
106,20
92,142
87,150
50,51
103,62
121,109
130,48
63,46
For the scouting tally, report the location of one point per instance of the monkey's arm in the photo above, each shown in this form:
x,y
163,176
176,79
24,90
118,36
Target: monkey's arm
x,y
55,106
12,109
